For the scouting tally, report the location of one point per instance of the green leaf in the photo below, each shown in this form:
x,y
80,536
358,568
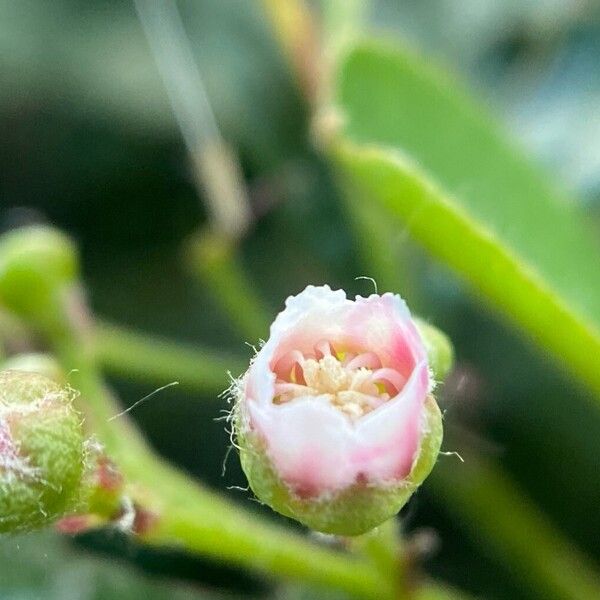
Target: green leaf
x,y
43,565
414,142
497,513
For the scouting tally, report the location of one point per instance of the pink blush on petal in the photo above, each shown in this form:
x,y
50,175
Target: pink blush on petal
x,y
363,456
398,455
307,480
402,354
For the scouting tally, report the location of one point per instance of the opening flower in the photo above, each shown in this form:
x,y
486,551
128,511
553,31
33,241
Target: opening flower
x,y
335,421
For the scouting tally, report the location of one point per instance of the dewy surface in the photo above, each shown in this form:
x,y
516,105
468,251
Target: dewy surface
x,y
354,383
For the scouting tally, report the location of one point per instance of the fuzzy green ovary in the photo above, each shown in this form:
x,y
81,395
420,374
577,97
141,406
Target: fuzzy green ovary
x,y
46,434
353,510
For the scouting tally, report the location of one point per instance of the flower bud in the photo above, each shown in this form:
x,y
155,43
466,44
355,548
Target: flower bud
x,y
101,485
334,419
35,262
41,451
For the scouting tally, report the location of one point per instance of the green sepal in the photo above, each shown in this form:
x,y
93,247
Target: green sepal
x,y
440,352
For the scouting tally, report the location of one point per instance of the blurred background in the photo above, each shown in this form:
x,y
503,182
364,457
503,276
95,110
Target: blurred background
x,y
90,144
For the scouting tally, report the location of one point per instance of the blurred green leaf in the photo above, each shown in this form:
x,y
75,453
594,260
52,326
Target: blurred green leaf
x,y
43,566
412,141
496,513
96,63
149,358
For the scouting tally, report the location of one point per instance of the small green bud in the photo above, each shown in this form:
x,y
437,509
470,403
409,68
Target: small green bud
x,y
35,262
41,451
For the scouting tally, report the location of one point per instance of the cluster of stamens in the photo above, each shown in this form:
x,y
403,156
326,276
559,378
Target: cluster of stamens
x,y
355,383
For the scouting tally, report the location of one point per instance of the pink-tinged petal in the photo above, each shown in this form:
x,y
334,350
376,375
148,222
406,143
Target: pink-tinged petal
x,y
307,319
366,359
315,449
309,443
390,375
388,438
383,324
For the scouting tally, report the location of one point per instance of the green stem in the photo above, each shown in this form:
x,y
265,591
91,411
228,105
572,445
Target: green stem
x,y
383,252
189,516
439,591
493,509
341,20
215,165
296,33
144,357
214,261
384,547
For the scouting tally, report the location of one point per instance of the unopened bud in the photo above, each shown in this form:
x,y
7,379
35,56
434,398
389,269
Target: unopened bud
x,y
35,263
41,451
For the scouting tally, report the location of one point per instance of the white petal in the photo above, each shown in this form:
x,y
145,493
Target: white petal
x,y
309,442
387,439
311,300
307,318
